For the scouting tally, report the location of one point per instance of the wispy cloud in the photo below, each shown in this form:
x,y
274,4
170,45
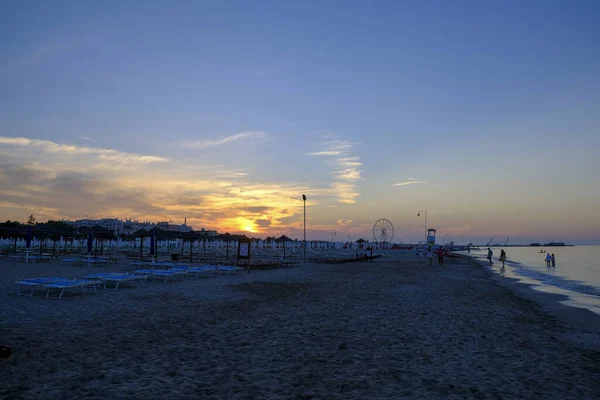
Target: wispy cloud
x,y
326,153
410,181
87,138
67,149
346,168
209,143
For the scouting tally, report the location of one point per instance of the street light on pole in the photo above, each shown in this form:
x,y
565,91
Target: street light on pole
x,y
425,214
303,200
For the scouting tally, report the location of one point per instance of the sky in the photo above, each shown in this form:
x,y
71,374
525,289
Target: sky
x,y
484,114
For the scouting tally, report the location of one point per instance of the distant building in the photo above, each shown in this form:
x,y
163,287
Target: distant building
x,y
129,226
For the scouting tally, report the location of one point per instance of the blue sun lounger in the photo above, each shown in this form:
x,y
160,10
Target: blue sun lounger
x,y
170,273
201,270
33,284
230,269
117,280
62,286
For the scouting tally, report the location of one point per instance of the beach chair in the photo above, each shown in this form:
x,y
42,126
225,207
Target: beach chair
x,y
99,275
31,285
62,286
166,274
229,269
117,280
201,270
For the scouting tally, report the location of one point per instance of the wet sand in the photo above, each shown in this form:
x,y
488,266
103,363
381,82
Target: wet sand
x,y
390,329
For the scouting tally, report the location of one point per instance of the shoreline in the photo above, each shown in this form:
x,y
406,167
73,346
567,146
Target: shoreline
x,y
551,303
390,328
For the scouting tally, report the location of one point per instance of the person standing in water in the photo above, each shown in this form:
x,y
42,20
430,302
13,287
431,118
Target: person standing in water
x,y
430,255
489,256
502,256
548,260
553,260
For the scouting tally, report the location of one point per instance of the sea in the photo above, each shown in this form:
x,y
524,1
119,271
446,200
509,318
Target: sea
x,y
576,275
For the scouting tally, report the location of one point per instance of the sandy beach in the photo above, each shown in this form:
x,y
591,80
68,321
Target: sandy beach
x,y
395,328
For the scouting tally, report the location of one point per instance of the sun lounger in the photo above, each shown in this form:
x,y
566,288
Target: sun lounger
x,y
62,286
35,283
100,275
201,270
166,274
228,269
117,280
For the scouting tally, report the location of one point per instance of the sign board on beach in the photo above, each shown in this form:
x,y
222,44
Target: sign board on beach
x,y
244,249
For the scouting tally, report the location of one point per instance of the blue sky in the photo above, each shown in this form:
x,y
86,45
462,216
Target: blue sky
x,y
493,107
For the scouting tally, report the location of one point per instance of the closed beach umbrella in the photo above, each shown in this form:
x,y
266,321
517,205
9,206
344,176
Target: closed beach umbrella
x,y
28,238
152,245
90,242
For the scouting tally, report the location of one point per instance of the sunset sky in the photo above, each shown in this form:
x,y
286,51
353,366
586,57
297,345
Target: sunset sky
x,y
486,114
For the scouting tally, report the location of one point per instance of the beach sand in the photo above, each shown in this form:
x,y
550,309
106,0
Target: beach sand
x,y
390,329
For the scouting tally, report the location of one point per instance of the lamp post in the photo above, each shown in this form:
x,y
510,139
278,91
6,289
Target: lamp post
x,y
425,214
303,200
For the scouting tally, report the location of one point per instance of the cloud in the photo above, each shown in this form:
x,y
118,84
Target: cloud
x,y
344,222
89,139
67,181
411,181
346,168
326,153
207,144
48,147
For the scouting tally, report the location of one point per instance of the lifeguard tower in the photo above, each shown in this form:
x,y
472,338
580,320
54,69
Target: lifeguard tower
x,y
431,237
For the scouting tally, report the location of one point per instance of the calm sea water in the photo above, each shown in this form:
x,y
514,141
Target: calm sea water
x,y
577,272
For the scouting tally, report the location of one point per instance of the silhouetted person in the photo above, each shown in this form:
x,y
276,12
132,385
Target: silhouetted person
x,y
502,256
553,260
440,254
489,256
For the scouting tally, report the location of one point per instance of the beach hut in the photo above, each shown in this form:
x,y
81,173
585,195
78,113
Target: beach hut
x,y
99,234
283,241
361,243
226,238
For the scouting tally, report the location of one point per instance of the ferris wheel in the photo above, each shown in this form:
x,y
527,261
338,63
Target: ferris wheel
x,y
383,230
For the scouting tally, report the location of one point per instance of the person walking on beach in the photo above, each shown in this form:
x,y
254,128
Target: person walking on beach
x,y
548,260
553,260
440,254
489,256
502,256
